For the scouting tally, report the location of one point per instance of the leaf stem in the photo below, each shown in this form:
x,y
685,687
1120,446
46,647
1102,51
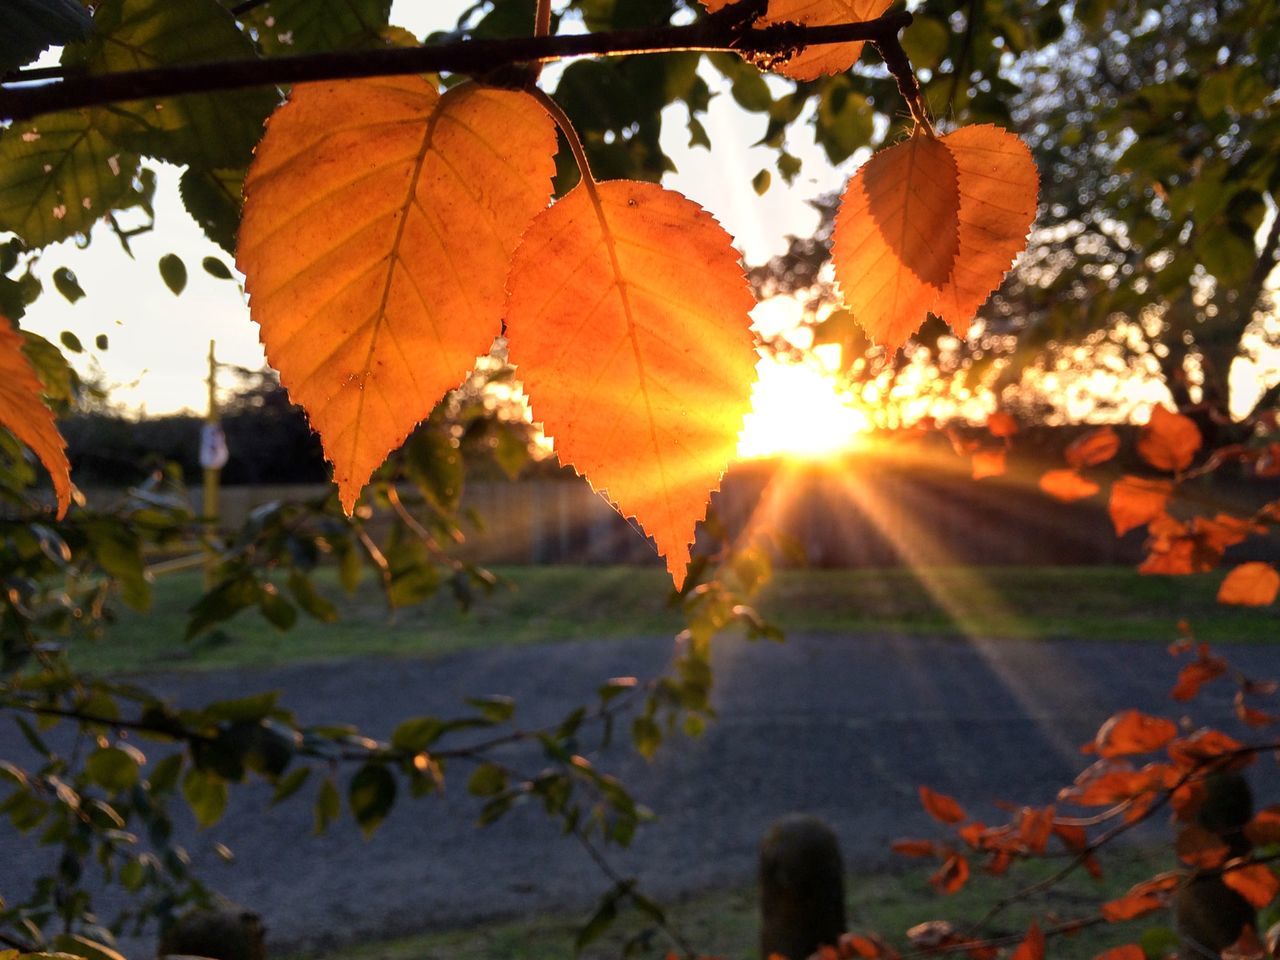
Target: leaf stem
x,y
717,33
571,135
895,58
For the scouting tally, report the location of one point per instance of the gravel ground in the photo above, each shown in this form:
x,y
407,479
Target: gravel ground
x,y
841,726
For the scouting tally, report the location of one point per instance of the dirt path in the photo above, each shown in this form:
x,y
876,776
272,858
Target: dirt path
x,y
845,727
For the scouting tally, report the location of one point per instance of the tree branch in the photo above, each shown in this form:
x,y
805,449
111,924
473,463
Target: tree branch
x,y
717,33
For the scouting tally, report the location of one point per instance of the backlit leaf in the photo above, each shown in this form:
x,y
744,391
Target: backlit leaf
x,y
628,324
1001,424
1133,731
1032,945
213,129
379,222
212,197
59,174
1067,485
1264,827
824,60
1201,847
989,462
1130,951
914,848
952,875
1169,441
941,807
312,26
1136,501
1131,906
1257,883
896,237
25,415
32,26
1253,584
1093,448
998,186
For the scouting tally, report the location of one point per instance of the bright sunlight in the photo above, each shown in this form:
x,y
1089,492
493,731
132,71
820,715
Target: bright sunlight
x,y
799,409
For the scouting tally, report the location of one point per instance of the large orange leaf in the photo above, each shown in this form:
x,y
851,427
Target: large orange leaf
x,y
896,237
628,323
810,63
379,222
1169,440
1253,584
1132,731
999,186
23,413
1136,501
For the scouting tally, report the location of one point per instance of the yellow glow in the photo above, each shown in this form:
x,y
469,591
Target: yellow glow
x,y
798,410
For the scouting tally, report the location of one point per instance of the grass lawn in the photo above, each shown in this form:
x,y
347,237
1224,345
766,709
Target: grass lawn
x,y
726,923
543,604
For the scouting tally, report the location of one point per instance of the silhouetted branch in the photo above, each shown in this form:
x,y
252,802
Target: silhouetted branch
x,y
722,32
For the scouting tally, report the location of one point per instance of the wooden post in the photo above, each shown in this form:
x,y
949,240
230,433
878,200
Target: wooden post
x,y
212,475
801,888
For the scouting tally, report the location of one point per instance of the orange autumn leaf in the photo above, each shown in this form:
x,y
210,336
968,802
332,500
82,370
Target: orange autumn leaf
x,y
1130,951
1132,732
1169,440
1257,883
810,63
1067,485
1035,827
941,807
1136,501
1252,584
1093,448
1001,424
1206,745
1201,847
1264,827
1032,945
628,322
379,221
1195,675
24,414
896,236
914,848
857,945
988,463
952,875
998,186
1131,906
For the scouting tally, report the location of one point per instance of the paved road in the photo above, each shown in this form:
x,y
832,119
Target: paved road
x,y
845,727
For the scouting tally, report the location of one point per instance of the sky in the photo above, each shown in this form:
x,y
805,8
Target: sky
x,y
156,360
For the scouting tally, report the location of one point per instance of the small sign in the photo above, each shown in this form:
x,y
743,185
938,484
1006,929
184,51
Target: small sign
x,y
213,447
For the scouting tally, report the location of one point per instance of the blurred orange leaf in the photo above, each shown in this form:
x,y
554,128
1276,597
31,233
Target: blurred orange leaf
x,y
1257,883
1035,828
941,807
896,236
1252,584
1131,906
988,463
1136,501
628,321
1196,674
914,848
1132,732
25,415
1201,847
1264,827
1032,946
999,186
1000,424
952,875
379,221
1169,441
1207,745
1093,448
1130,951
1067,485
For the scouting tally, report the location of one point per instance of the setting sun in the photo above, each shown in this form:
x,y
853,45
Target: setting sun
x,y
799,410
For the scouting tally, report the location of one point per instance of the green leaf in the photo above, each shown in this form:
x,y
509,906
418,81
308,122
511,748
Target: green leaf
x,y
309,599
313,26
67,284
222,603
602,919
113,769
761,181
212,197
844,120
487,780
100,341
290,784
1226,255
216,268
371,795
208,129
278,611
206,795
248,709
328,806
494,709
164,775
70,342
59,174
29,27
174,273
417,734
926,42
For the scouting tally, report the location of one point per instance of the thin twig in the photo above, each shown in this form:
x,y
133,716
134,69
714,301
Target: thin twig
x,y
716,33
